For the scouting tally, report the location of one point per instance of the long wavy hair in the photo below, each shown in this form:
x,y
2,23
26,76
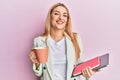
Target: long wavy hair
x,y
68,28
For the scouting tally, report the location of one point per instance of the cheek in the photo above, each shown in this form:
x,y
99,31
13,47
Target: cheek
x,y
53,19
66,21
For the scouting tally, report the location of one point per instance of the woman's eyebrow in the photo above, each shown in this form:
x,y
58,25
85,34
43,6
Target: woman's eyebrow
x,y
56,11
59,12
64,13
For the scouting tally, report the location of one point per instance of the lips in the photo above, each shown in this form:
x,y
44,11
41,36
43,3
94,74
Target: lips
x,y
60,21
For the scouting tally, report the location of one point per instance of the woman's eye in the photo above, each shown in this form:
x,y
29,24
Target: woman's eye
x,y
65,15
56,13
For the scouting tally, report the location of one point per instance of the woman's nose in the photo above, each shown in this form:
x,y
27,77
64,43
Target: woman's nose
x,y
60,17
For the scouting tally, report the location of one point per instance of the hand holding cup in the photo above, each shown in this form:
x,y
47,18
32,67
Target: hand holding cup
x,y
42,54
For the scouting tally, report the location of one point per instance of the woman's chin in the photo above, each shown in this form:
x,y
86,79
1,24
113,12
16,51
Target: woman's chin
x,y
60,26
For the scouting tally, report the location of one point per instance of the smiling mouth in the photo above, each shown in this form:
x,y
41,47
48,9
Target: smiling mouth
x,y
60,22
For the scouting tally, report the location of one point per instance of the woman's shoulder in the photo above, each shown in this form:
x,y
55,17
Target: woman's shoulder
x,y
40,41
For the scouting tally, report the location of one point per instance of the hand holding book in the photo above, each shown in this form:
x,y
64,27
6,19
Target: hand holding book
x,y
95,63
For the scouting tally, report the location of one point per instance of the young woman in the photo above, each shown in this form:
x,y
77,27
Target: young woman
x,y
65,49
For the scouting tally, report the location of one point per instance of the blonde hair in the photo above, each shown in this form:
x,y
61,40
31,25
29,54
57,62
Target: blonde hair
x,y
68,28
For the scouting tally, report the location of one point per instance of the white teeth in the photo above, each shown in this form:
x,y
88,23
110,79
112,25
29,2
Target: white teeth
x,y
59,22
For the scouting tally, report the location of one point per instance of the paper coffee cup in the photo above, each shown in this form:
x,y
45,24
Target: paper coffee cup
x,y
42,54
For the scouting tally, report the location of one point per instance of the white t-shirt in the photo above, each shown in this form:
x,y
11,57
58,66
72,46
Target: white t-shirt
x,y
58,52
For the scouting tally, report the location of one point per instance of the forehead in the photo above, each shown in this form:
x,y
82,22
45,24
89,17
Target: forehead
x,y
60,9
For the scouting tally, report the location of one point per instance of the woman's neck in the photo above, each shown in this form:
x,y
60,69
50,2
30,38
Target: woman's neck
x,y
56,35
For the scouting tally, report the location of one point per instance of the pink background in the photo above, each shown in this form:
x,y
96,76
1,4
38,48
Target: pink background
x,y
97,21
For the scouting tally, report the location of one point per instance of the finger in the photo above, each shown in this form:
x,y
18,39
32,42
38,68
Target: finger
x,y
84,72
31,53
33,57
89,72
35,60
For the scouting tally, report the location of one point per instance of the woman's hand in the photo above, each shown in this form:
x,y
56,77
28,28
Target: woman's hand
x,y
88,72
33,58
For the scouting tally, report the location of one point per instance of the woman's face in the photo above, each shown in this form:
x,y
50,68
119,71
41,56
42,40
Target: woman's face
x,y
59,18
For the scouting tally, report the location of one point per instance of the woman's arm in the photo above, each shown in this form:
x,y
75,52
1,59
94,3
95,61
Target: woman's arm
x,y
37,67
87,72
